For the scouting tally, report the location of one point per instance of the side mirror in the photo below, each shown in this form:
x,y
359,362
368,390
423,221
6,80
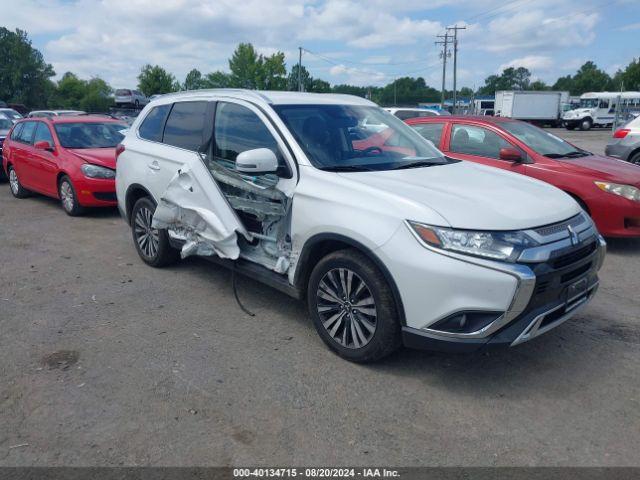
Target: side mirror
x,y
43,145
257,161
511,154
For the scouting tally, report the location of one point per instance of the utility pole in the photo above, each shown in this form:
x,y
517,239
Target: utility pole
x,y
455,29
300,69
445,45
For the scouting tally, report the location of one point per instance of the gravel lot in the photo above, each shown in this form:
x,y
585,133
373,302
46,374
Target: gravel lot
x,y
105,361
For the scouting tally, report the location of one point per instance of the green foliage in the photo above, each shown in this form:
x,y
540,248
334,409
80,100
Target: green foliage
x,y
629,78
74,93
589,78
156,80
194,81
538,85
510,79
406,91
218,79
24,75
253,71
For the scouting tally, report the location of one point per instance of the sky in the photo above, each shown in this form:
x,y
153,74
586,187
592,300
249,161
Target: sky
x,y
345,41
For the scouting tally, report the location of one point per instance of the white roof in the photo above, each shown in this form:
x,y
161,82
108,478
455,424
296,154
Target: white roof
x,y
268,97
610,95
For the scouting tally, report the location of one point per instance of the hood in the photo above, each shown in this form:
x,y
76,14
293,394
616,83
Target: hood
x,y
578,111
473,196
604,168
104,157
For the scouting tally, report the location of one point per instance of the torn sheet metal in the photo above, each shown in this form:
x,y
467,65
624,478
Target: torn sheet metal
x,y
185,209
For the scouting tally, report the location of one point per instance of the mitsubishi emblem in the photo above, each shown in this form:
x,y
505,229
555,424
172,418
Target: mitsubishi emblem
x,y
575,239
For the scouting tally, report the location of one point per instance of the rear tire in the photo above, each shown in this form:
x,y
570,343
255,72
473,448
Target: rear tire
x,y
635,159
17,190
69,198
352,307
152,244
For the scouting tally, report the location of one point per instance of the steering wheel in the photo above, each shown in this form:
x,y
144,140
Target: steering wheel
x,y
369,150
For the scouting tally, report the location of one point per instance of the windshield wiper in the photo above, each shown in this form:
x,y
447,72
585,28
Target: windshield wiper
x,y
419,163
346,168
574,154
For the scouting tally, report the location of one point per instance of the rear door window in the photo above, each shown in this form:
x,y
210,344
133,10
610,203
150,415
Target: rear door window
x,y
430,131
15,134
185,125
153,125
26,135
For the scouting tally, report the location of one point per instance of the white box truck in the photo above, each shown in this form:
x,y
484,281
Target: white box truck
x,y
542,107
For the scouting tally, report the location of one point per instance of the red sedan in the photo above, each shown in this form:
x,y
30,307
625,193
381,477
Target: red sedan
x,y
69,158
608,189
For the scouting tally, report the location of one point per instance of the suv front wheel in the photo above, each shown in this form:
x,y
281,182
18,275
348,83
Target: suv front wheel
x,y
152,244
352,307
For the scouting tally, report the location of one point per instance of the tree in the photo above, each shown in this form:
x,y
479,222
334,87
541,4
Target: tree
x,y
510,79
564,84
97,97
271,73
538,85
156,80
244,65
194,81
72,92
589,78
24,75
305,77
320,86
629,78
218,79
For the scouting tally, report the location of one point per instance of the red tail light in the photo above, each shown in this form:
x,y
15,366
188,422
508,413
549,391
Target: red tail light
x,y
621,133
119,150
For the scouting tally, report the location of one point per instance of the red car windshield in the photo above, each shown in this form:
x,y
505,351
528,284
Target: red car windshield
x,y
542,142
89,135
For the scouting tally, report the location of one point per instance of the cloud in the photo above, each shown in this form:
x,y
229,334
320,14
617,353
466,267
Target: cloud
x,y
358,76
531,62
631,26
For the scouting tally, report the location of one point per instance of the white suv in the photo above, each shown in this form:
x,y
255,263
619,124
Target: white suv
x,y
388,241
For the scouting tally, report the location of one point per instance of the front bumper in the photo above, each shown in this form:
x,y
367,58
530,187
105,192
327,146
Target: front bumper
x,y
550,284
96,192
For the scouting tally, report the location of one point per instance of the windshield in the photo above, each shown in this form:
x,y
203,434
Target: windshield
x,y
357,138
542,142
123,93
588,102
11,114
89,135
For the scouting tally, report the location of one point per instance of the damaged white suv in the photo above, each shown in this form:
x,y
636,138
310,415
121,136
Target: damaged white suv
x,y
388,241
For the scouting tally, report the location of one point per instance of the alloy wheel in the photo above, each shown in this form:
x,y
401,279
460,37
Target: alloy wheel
x,y
146,236
346,308
66,196
13,181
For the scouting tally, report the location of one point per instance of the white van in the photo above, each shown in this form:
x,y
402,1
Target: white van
x,y
387,240
598,109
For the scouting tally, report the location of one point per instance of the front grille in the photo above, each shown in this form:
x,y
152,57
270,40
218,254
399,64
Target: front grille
x,y
560,227
574,256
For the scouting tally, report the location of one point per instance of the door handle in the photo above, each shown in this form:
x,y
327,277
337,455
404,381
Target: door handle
x,y
154,166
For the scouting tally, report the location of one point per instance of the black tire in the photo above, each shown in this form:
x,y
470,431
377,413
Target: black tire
x,y
346,335
152,244
635,159
570,127
69,198
586,124
17,190
136,104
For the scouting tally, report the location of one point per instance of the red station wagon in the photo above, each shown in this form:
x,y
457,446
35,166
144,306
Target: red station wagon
x,y
608,189
69,158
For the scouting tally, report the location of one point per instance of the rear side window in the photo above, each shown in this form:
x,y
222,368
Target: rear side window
x,y
430,131
43,134
153,124
26,134
185,125
15,134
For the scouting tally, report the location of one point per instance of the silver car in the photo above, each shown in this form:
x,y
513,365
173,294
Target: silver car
x,y
131,98
625,143
5,126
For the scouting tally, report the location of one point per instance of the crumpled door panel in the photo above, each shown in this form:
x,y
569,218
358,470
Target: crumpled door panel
x,y
194,209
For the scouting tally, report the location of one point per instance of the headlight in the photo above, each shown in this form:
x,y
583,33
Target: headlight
x,y
504,246
627,191
94,171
